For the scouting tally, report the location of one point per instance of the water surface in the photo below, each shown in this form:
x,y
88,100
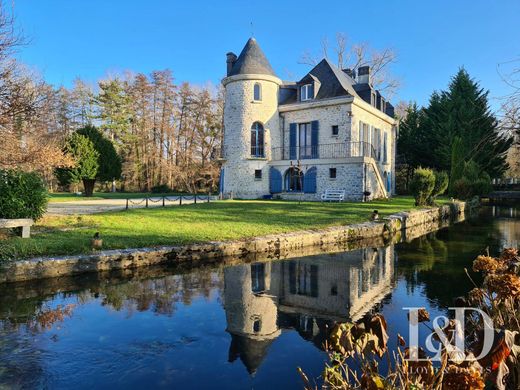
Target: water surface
x,y
242,326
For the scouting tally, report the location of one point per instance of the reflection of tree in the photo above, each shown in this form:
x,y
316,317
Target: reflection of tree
x,y
158,295
437,261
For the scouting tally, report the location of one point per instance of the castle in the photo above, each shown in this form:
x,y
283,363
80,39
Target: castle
x,y
310,295
295,140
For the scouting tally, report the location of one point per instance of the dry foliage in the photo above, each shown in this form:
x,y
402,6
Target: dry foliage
x,y
355,350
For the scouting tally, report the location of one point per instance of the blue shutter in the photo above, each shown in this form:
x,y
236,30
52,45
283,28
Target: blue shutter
x,y
275,181
309,181
221,181
292,141
315,128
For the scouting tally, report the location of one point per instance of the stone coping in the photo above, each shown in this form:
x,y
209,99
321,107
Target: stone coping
x,y
407,225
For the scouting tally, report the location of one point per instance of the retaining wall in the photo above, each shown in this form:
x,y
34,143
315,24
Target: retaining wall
x,y
301,243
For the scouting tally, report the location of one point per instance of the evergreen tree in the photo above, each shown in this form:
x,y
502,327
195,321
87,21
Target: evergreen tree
x,y
115,111
86,159
463,112
95,156
109,161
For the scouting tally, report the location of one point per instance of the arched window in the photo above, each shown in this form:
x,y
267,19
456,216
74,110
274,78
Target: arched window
x,y
257,92
257,140
293,180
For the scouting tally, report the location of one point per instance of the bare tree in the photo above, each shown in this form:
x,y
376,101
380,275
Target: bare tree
x,y
354,56
510,110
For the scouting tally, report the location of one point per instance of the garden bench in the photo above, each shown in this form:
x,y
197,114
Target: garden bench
x,y
24,223
333,196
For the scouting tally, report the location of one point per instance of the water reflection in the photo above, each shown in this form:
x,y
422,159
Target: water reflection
x,y
216,326
307,295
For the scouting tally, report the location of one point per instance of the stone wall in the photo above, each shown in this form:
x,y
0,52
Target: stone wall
x,y
240,112
338,238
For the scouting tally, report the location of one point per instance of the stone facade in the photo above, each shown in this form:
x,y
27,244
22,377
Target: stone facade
x,y
245,175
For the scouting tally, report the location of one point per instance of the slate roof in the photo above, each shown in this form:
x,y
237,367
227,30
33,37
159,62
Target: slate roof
x,y
252,60
334,82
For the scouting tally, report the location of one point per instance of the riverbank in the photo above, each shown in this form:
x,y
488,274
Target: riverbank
x,y
189,224
275,246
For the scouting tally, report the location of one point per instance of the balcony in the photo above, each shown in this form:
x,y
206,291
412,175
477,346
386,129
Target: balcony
x,y
337,150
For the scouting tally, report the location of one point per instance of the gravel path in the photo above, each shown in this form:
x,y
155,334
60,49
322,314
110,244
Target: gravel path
x,y
103,205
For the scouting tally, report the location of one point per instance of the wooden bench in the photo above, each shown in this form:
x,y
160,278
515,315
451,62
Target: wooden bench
x,y
333,196
24,223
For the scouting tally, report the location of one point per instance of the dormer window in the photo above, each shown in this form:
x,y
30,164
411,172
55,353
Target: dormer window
x,y
257,92
374,101
306,92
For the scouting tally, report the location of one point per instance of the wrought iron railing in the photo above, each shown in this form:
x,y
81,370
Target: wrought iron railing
x,y
336,150
258,151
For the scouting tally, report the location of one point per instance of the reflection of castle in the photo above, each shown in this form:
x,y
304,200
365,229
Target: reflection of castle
x,y
308,295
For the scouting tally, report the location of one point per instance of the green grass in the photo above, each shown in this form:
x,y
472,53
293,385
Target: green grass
x,y
68,197
223,220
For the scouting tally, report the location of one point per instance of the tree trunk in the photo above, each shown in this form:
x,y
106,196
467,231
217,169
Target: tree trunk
x,y
88,184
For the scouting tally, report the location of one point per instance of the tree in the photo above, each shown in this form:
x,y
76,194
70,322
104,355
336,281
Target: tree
x,y
95,156
463,111
82,150
114,110
109,162
356,55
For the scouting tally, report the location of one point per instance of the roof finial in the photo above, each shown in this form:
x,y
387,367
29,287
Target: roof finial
x,y
252,30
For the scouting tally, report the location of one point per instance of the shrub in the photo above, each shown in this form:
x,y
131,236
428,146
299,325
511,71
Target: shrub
x,y
22,195
473,183
465,189
161,189
440,187
422,185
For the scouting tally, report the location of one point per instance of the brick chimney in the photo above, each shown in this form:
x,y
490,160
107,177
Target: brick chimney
x,y
363,76
231,58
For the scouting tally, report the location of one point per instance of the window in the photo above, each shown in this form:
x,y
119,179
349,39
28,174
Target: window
x,y
257,140
334,290
332,173
306,92
335,130
258,277
257,325
258,174
385,148
305,141
257,92
303,279
373,99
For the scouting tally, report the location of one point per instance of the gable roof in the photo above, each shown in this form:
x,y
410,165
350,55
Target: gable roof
x,y
252,60
334,82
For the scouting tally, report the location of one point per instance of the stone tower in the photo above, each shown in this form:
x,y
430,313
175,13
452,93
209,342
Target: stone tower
x,y
251,312
251,122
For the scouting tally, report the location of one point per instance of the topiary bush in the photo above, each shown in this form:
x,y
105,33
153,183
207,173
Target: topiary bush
x,y
440,187
22,195
422,185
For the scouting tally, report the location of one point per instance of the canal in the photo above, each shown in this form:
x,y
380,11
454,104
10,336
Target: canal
x,y
234,327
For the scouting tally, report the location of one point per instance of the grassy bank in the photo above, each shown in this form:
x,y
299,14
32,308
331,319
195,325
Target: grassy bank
x,y
224,220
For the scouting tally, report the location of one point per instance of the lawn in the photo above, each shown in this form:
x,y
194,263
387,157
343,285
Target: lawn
x,y
69,197
222,220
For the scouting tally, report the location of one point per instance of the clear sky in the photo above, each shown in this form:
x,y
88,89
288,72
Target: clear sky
x,y
93,38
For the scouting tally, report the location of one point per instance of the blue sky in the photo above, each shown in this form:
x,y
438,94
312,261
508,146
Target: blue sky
x,y
93,38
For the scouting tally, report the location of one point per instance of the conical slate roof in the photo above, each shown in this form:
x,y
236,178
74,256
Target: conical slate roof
x,y
252,60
